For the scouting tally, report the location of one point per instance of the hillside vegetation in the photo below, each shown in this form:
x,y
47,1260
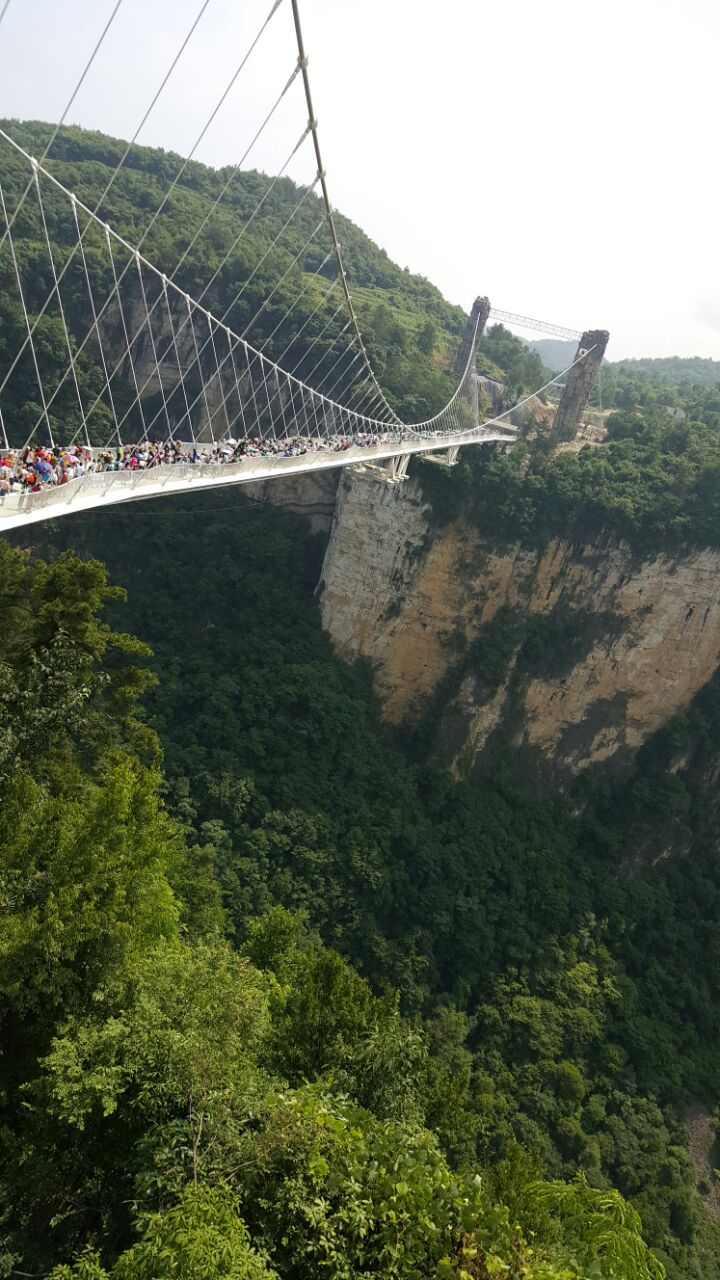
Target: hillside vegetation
x,y
693,371
194,1083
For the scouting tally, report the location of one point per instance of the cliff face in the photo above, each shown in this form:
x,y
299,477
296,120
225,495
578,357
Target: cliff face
x,y
311,494
572,653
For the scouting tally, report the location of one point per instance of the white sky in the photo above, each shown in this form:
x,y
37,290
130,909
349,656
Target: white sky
x,y
560,157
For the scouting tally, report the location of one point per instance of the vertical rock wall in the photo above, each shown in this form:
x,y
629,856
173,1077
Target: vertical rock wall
x,y
628,642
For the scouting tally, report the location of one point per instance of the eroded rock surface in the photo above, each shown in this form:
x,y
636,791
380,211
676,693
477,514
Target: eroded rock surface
x,y
601,648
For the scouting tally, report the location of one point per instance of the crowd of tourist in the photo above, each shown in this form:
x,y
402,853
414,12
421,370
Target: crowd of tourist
x,y
33,469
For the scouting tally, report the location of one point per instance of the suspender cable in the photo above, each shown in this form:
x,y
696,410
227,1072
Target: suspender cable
x,y
199,365
167,194
303,327
171,280
318,337
199,350
283,277
369,404
301,295
326,201
269,250
251,219
91,299
177,351
221,386
236,171
153,347
68,105
223,96
362,395
28,328
242,232
238,384
128,343
333,367
325,354
68,343
343,375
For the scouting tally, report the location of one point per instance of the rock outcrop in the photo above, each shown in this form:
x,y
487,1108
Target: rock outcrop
x,y
311,494
579,381
573,654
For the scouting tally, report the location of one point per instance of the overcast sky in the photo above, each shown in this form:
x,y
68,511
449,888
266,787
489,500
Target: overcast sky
x,y
560,157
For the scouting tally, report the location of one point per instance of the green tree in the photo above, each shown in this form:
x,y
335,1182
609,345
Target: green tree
x,y
202,1237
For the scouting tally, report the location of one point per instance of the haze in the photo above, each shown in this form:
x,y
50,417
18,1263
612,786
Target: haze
x,y
560,158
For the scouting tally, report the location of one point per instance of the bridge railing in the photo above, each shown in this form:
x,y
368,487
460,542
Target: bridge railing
x,y
100,488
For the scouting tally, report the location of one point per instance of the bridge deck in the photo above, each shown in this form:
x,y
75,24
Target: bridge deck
x,y
107,488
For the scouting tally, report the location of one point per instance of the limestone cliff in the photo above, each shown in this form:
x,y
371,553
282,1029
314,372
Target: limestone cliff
x,y
575,653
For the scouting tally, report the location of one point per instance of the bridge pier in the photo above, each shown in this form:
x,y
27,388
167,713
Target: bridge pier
x,y
578,383
397,468
394,471
445,458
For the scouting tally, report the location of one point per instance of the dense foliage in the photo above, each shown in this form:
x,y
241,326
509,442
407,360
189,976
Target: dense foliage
x,y
671,376
546,979
655,483
173,1105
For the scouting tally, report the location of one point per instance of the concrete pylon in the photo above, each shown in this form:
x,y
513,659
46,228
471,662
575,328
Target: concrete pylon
x,y
473,333
578,383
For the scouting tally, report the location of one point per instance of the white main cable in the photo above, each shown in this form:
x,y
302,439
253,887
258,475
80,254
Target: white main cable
x,y
118,166
68,105
328,207
170,189
171,279
28,328
330,409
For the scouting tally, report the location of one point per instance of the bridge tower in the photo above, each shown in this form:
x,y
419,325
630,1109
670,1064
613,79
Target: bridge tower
x,y
474,330
578,383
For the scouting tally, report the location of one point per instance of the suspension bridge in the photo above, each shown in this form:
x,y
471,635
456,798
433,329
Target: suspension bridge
x,y
118,383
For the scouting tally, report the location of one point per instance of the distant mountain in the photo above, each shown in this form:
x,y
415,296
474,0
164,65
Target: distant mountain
x,y
555,353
